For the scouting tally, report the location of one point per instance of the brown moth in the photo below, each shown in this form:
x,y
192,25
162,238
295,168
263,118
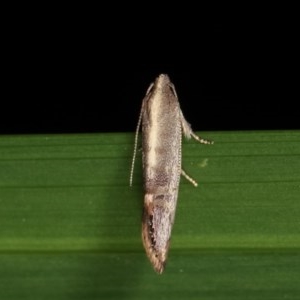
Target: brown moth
x,y
162,126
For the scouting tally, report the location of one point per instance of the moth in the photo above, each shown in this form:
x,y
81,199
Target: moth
x,y
162,127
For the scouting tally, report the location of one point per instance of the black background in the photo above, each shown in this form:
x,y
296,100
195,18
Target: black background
x,y
71,70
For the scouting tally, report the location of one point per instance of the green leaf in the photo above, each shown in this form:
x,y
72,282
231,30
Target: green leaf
x,y
70,224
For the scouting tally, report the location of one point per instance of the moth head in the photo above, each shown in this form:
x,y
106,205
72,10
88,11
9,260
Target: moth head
x,y
163,84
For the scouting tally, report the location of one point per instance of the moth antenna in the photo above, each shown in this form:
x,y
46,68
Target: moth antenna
x,y
135,144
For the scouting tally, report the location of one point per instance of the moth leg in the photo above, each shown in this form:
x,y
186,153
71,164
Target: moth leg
x,y
188,132
190,179
201,140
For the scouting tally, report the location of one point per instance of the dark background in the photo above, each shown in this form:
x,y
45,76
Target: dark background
x,y
67,70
